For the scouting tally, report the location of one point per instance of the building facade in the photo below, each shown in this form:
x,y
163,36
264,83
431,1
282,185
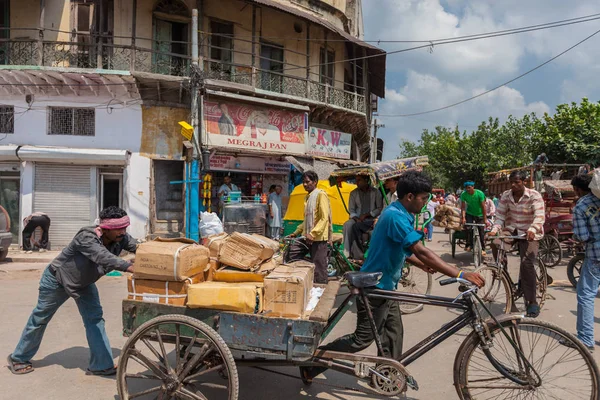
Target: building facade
x,y
92,93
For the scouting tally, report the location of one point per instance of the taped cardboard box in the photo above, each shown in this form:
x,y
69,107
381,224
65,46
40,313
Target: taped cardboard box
x,y
287,291
164,292
214,243
244,297
304,264
247,252
170,259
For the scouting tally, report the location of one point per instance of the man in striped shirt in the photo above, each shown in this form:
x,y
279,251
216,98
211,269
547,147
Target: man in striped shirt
x,y
521,212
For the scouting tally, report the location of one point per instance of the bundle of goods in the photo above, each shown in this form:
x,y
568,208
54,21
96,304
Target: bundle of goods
x,y
447,217
165,268
239,272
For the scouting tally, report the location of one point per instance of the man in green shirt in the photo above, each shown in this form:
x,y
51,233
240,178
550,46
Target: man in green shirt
x,y
473,212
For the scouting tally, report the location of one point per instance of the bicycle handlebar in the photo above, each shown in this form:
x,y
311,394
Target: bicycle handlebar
x,y
471,224
450,281
510,237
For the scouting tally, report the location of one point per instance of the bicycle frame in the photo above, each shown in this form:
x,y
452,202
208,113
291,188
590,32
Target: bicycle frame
x,y
468,317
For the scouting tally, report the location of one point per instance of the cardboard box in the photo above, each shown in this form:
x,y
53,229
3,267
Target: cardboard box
x,y
245,251
214,243
287,291
170,259
164,292
244,297
304,264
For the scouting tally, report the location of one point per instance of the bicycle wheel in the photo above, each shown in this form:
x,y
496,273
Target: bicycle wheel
x,y
496,293
414,280
477,256
542,280
188,360
574,269
550,251
567,371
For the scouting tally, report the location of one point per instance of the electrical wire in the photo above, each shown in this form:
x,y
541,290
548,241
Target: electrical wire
x,y
496,87
547,25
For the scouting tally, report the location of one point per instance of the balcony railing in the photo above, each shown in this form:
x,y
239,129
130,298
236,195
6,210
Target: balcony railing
x,y
102,53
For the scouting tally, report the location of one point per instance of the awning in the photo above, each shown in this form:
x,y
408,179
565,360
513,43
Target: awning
x,y
64,155
267,102
323,167
377,56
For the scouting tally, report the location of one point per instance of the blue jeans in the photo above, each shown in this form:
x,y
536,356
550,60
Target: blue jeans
x,y
52,295
587,288
429,228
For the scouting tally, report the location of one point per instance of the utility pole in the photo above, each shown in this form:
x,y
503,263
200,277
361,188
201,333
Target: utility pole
x,y
193,176
376,126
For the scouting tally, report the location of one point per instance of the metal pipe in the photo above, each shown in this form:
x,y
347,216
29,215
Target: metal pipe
x,y
195,37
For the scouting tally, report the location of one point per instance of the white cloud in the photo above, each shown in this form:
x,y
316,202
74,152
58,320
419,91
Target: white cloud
x,y
454,72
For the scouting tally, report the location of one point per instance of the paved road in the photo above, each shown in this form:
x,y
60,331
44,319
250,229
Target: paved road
x,y
62,359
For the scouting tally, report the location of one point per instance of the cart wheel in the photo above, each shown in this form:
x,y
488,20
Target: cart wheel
x,y
550,251
415,281
175,356
574,269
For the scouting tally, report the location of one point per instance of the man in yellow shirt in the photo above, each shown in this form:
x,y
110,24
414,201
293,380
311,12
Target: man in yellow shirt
x,y
316,228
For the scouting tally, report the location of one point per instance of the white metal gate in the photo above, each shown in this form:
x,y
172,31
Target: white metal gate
x,y
63,192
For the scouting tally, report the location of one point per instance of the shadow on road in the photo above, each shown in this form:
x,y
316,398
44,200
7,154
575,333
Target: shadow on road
x,y
71,358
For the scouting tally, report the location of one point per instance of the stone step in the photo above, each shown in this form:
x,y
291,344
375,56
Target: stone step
x,y
170,215
165,235
168,226
175,195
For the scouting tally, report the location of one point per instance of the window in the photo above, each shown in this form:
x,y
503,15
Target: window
x,y
71,121
7,119
221,46
327,70
271,65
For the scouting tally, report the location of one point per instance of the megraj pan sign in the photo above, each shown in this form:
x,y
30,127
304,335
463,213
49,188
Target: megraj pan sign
x,y
234,125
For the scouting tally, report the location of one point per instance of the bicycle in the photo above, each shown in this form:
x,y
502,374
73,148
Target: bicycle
x,y
501,356
500,291
476,245
574,268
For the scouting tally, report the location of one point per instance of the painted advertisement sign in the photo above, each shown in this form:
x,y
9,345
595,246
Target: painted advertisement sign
x,y
225,162
326,143
242,126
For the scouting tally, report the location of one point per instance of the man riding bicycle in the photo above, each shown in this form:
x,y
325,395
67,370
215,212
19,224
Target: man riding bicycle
x,y
473,212
394,241
521,212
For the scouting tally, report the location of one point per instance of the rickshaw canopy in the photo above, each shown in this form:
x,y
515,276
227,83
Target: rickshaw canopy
x,y
381,171
295,210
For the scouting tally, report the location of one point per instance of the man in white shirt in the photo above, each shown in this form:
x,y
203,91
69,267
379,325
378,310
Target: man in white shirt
x,y
391,185
224,190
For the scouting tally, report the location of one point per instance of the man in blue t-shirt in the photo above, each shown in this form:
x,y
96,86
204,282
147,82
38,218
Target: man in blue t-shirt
x,y
393,242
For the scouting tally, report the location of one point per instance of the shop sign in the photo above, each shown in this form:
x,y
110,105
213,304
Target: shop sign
x,y
223,162
326,143
248,127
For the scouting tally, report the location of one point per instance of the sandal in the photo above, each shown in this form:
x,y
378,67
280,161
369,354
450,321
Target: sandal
x,y
19,368
104,372
533,310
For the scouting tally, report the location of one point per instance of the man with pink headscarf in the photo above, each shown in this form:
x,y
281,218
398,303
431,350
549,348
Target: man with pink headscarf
x,y
93,252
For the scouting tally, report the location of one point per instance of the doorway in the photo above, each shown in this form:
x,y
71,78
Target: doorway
x,y
111,189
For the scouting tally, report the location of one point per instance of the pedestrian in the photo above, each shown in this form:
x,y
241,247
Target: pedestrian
x,y
274,204
224,190
541,159
586,229
394,241
316,228
520,212
35,220
473,212
92,253
538,178
431,206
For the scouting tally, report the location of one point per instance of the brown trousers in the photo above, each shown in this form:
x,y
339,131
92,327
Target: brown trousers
x,y
318,255
528,252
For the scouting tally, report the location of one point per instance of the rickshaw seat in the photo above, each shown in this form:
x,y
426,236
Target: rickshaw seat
x,y
363,279
337,238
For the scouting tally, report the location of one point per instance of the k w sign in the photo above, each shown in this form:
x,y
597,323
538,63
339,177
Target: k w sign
x,y
323,142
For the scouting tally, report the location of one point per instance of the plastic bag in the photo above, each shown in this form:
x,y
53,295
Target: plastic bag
x,y
210,224
595,183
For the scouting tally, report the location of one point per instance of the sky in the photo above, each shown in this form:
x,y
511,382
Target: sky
x,y
421,80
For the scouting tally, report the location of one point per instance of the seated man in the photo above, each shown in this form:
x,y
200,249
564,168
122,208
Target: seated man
x,y
365,205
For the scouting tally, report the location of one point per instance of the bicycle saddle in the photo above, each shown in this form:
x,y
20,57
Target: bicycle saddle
x,y
363,279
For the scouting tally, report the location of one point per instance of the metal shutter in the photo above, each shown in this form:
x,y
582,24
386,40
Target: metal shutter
x,y
63,192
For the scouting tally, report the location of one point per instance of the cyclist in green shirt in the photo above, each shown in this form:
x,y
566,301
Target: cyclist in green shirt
x,y
473,212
